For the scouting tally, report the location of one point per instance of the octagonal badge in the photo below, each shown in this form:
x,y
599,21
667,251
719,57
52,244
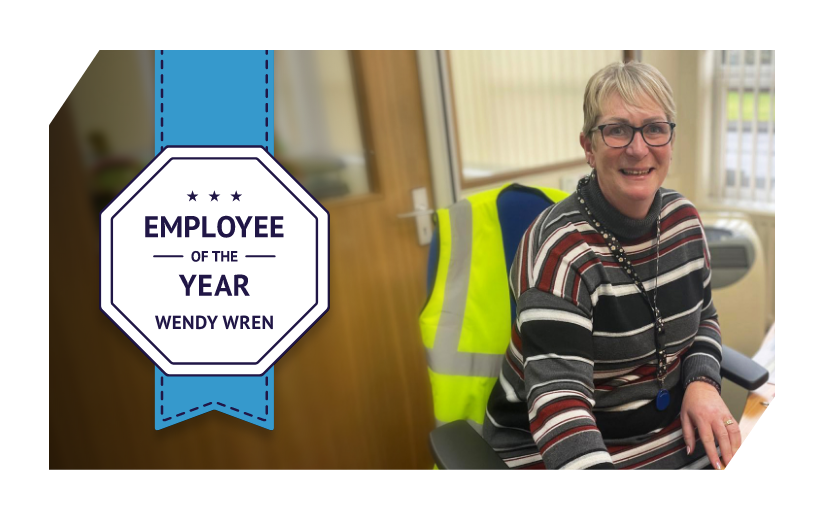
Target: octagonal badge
x,y
214,261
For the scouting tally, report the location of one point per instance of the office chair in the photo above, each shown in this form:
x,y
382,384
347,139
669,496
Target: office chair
x,y
457,444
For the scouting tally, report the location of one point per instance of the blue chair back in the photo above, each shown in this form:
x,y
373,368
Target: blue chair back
x,y
518,206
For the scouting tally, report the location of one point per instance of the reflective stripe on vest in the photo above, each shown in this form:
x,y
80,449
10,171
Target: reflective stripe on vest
x,y
465,325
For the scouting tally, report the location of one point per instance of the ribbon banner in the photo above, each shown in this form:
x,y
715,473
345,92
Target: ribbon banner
x,y
214,260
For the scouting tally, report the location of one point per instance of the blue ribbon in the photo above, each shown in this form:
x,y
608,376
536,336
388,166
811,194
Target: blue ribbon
x,y
220,98
178,398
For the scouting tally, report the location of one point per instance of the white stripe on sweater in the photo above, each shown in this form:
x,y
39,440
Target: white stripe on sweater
x,y
553,315
702,354
600,375
562,215
562,418
707,306
675,274
548,397
633,405
672,206
647,447
703,462
623,335
685,313
558,356
554,237
498,425
590,459
624,380
658,458
574,381
529,263
516,462
511,396
666,235
515,352
645,328
710,341
563,268
607,289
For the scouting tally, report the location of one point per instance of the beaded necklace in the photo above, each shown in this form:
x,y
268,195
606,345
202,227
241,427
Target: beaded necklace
x,y
662,399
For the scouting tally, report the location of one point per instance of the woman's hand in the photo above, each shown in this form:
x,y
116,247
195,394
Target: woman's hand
x,y
704,409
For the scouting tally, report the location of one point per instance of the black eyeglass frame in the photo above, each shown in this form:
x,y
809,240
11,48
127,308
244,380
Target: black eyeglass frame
x,y
635,129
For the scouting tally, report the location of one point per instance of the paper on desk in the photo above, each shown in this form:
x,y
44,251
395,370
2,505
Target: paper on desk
x,y
766,356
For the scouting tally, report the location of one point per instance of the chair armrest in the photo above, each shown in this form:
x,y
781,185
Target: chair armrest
x,y
742,370
457,445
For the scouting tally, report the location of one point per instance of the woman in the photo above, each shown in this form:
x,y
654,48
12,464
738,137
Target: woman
x,y
615,354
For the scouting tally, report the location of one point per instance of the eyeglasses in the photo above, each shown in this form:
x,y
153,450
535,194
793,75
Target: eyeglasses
x,y
621,135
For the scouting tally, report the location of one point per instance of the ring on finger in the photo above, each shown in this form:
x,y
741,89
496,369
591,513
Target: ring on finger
x,y
729,422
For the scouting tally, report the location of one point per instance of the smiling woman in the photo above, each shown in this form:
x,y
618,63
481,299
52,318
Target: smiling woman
x,y
615,353
631,170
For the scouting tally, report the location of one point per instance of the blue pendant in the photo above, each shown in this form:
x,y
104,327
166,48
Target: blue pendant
x,y
662,400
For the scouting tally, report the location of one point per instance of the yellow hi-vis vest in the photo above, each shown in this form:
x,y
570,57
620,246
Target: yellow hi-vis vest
x,y
465,324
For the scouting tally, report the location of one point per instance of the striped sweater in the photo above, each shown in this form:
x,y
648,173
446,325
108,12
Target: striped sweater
x,y
580,367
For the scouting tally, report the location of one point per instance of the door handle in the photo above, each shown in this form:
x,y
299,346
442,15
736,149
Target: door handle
x,y
422,215
416,213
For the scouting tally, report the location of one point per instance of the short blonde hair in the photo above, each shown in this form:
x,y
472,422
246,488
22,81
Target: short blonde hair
x,y
631,80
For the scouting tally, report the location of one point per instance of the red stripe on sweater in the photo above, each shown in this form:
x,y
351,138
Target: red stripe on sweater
x,y
645,373
524,246
536,465
575,285
554,408
560,250
677,216
589,263
710,326
667,249
666,223
594,238
513,365
566,434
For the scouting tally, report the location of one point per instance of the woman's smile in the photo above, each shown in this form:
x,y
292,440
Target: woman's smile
x,y
629,176
636,172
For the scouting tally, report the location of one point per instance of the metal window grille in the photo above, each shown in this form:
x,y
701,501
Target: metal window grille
x,y
745,127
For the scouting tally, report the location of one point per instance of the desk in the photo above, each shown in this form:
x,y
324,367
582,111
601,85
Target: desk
x,y
755,402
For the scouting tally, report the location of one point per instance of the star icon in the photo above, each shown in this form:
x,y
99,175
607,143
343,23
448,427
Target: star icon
x,y
192,196
236,196
214,195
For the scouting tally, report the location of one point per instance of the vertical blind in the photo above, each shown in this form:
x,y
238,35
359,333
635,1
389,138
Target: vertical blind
x,y
520,110
745,126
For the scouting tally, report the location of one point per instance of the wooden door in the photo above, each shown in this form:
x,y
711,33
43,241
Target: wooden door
x,y
353,393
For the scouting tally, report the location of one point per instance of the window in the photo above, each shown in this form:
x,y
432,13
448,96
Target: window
x,y
519,112
317,123
744,106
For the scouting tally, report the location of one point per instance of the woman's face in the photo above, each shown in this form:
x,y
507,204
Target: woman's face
x,y
629,177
